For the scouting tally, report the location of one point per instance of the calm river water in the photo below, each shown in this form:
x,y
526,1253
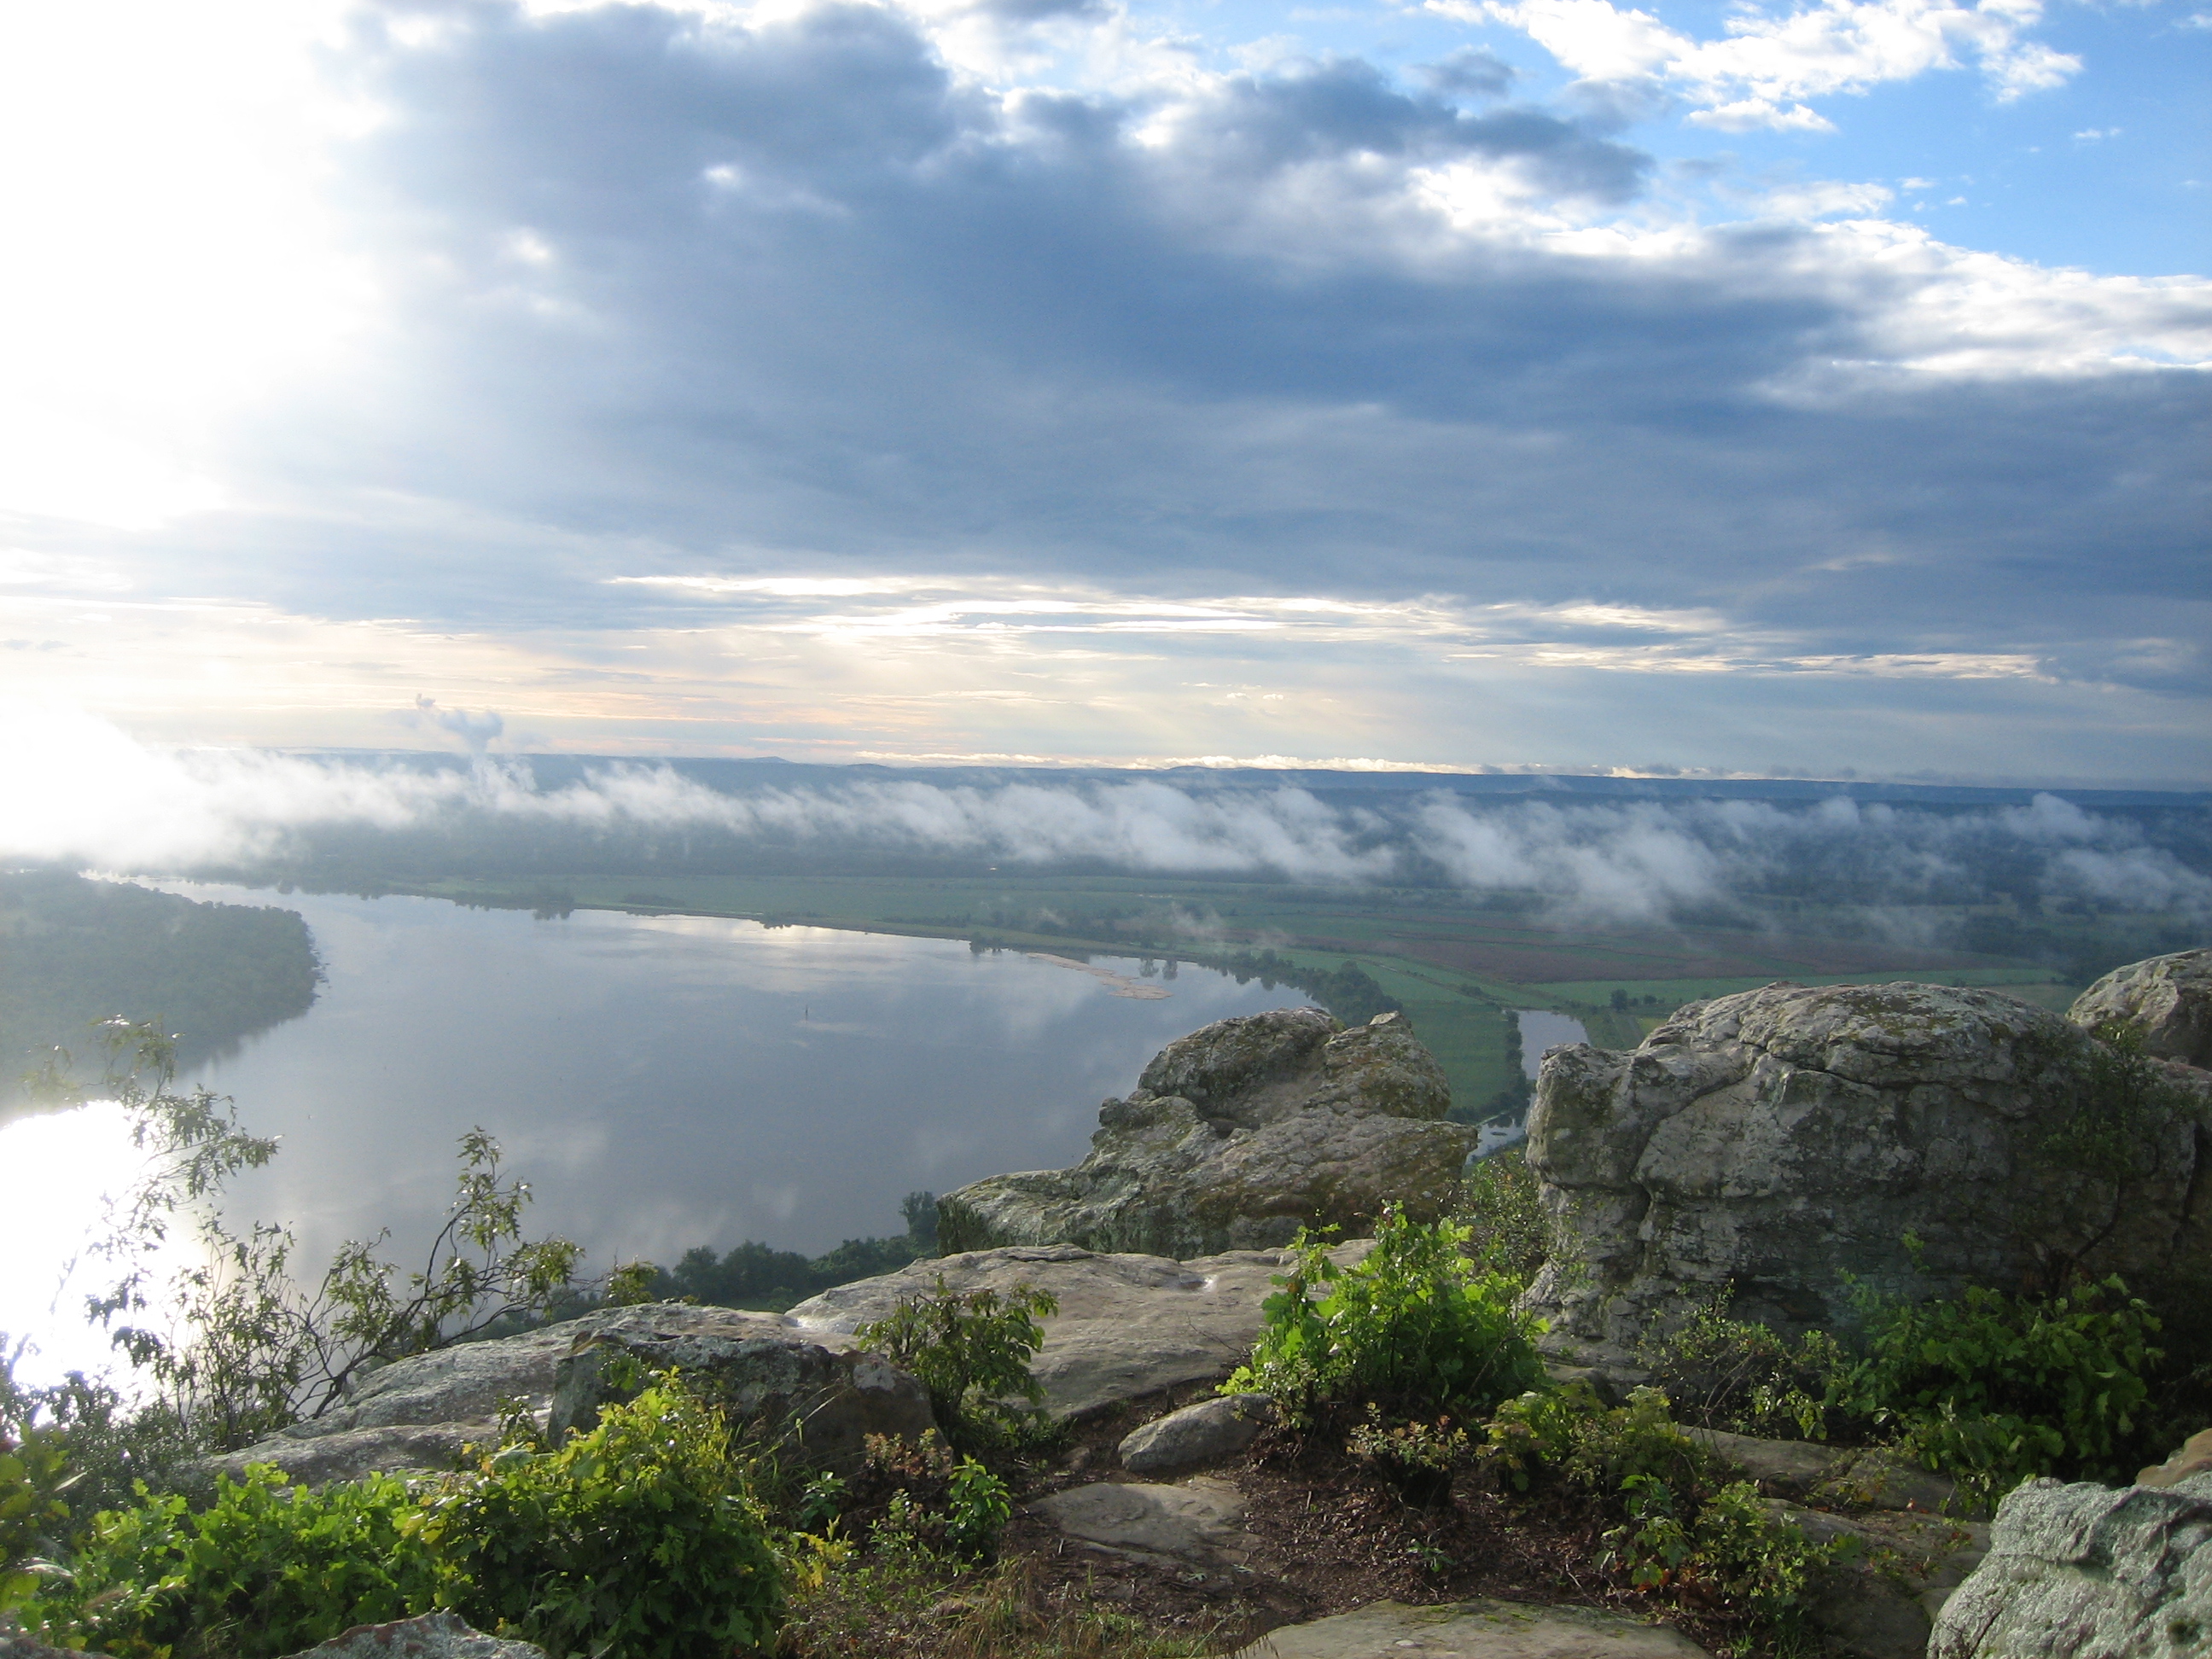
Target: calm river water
x,y
662,1082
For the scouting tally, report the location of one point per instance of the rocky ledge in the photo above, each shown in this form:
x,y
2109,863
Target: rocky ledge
x,y
1790,1141
1234,1138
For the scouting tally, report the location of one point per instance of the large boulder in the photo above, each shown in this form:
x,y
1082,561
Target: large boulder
x,y
820,1396
1127,1325
2074,1571
1235,1137
1788,1141
2166,1001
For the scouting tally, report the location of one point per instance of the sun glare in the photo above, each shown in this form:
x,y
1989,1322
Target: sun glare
x,y
156,167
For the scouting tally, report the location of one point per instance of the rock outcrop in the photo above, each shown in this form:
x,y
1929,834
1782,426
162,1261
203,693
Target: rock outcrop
x,y
1914,1137
1234,1138
2082,1569
1127,1325
2166,1001
415,1414
1474,1630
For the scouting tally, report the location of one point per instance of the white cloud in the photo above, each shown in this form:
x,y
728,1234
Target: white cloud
x,y
82,790
1762,73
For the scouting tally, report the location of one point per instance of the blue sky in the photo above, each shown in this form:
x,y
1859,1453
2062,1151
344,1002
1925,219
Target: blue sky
x,y
1489,383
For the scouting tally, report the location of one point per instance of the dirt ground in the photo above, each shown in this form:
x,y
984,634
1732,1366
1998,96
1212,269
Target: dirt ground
x,y
1331,1537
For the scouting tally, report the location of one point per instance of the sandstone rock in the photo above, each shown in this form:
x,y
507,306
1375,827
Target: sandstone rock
x,y
1474,1630
1777,1139
1197,1524
2194,1457
1127,1325
399,1449
1199,1434
2166,1001
1781,1467
414,1414
433,1636
1234,1137
2084,1569
463,1383
1882,1604
824,1402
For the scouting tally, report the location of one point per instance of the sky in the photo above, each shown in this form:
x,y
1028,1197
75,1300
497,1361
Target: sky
x,y
1813,390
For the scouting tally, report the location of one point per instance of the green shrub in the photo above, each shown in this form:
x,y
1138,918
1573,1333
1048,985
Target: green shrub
x,y
1505,1222
1722,1548
912,1495
266,1570
33,1472
1414,1327
972,1354
1570,1436
1991,1388
640,1538
1416,1456
1739,1376
1679,1529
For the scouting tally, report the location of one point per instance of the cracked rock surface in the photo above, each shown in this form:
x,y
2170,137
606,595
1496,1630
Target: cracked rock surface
x,y
1782,1139
2084,1569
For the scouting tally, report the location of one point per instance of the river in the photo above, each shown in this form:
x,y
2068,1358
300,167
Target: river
x,y
661,1081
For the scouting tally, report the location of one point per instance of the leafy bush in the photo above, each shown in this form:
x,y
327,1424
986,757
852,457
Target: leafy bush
x,y
1414,1327
1739,1376
912,1495
1679,1529
1720,1548
639,1538
1991,1388
1986,1387
1416,1456
1570,1436
972,1354
1504,1222
33,1471
266,1570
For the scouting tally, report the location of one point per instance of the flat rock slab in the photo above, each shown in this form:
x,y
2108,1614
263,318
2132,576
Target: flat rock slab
x,y
1474,1630
1127,1325
1198,1524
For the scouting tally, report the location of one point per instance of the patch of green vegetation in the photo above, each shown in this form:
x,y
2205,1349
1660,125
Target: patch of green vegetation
x,y
1416,1327
972,1353
641,1537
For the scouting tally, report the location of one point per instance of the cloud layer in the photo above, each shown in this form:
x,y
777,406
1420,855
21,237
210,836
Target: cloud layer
x,y
719,377
92,796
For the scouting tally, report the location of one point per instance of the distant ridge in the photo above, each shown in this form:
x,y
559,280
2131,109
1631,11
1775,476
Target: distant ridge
x,y
553,771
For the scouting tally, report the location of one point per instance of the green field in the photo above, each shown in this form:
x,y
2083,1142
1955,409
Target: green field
x,y
1456,961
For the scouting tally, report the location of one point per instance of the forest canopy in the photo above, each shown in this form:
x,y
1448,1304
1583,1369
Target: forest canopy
x,y
74,951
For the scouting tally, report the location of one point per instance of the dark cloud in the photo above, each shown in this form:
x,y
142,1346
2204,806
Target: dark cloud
x,y
1472,73
677,294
